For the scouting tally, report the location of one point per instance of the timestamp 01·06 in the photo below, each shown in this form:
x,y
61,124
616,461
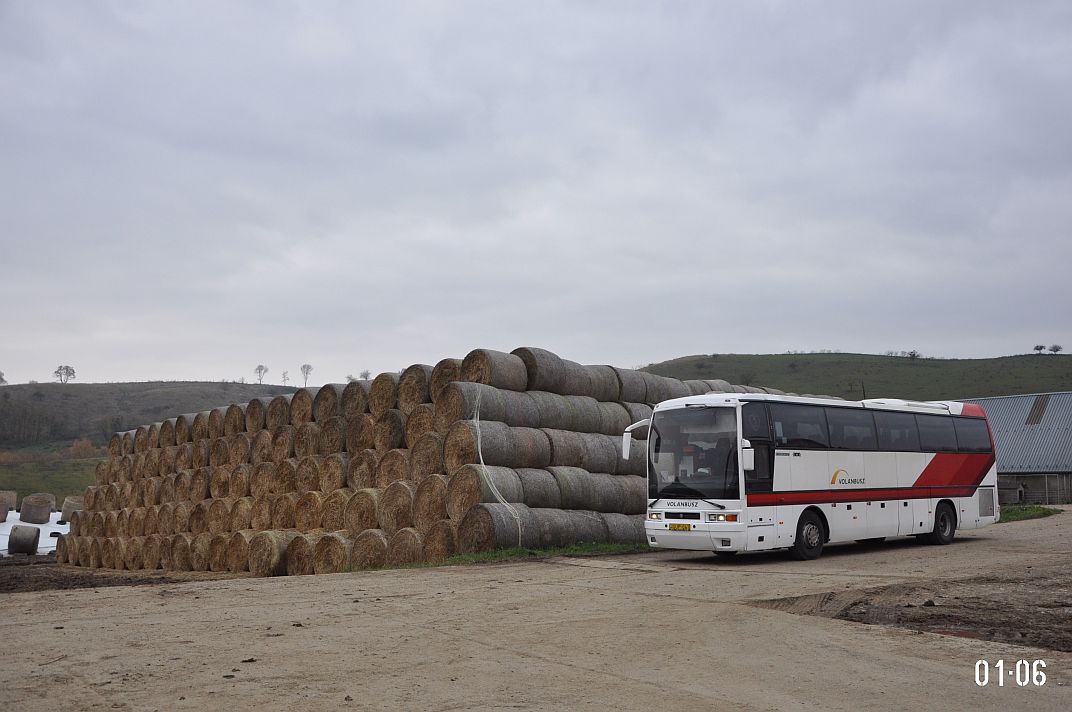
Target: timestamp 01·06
x,y
1023,672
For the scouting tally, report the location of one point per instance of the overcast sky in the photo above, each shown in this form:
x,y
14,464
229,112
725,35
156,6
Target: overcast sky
x,y
190,189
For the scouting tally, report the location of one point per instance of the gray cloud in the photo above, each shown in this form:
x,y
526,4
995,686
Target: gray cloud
x,y
188,190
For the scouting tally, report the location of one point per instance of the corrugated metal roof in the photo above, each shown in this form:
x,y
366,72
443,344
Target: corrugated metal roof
x,y
1032,433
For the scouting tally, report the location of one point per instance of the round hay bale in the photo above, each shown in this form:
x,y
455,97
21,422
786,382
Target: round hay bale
x,y
218,519
260,448
544,370
115,445
360,433
697,388
215,423
283,510
124,470
169,488
300,553
180,552
282,443
241,514
355,399
333,471
308,511
256,413
472,484
301,406
426,457
567,447
136,522
587,416
199,516
307,440
134,553
636,464
327,400
111,523
285,478
217,552
100,475
152,463
219,484
396,507
183,428
389,431
405,547
166,433
234,419
444,372
461,401
23,540
383,395
429,502
441,541
362,511
166,464
89,498
154,435
361,471
581,489
393,467
539,488
165,519
413,387
199,427
717,385
278,413
151,524
614,419
268,552
62,553
94,556
238,482
238,550
551,373
202,453
499,443
121,522
495,368
128,494
333,510
180,516
111,497
262,479
36,509
74,524
624,528
369,550
489,526
141,438
200,481
150,552
260,513
332,553
150,491
631,385
111,556
184,457
239,445
307,474
332,435
419,421
71,505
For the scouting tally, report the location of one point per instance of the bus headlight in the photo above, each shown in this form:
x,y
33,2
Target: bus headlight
x,y
655,515
721,517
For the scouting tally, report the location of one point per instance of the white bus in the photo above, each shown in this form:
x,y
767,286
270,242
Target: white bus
x,y
752,472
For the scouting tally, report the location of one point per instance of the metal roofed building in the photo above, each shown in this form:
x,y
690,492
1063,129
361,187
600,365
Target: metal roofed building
x,y
1033,439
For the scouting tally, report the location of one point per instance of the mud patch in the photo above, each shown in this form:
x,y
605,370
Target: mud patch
x,y
1033,609
42,573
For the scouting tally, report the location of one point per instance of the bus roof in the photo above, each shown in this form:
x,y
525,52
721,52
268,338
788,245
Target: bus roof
x,y
897,404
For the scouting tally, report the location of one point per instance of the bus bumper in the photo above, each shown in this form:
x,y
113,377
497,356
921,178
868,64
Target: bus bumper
x,y
704,537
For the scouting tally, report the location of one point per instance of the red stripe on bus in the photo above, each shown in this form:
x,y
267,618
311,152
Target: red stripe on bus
x,y
848,495
955,469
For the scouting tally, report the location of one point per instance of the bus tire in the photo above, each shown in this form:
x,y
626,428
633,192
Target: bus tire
x,y
810,537
945,525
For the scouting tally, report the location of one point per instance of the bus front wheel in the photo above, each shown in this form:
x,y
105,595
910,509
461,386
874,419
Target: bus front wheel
x,y
945,525
810,536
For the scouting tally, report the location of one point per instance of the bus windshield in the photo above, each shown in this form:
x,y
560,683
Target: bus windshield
x,y
693,454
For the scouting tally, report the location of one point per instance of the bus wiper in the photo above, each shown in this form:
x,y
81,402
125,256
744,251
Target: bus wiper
x,y
713,504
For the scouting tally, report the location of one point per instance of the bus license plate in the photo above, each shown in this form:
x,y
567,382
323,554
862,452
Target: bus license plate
x,y
680,527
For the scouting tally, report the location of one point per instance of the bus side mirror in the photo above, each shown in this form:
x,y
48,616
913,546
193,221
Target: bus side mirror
x,y
748,459
627,437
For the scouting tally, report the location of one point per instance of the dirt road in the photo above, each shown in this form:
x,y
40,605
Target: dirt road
x,y
665,631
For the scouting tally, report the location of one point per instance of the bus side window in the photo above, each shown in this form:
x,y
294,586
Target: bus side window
x,y
897,432
799,426
936,433
756,429
972,435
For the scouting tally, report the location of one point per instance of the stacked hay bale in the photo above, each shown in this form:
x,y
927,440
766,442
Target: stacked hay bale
x,y
496,450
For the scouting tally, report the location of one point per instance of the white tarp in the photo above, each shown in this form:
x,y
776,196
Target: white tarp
x,y
45,543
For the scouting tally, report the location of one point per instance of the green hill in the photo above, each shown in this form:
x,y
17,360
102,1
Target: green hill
x,y
855,376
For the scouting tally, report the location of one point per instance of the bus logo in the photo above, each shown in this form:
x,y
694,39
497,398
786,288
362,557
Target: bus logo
x,y
841,477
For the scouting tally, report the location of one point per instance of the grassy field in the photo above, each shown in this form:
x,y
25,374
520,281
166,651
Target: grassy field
x,y
60,477
1019,512
855,376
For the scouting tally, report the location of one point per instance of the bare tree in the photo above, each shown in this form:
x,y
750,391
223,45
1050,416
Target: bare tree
x,y
306,369
913,355
3,382
260,371
1057,348
63,373
365,375
1039,348
350,378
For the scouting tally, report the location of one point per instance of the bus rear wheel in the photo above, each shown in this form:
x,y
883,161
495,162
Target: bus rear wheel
x,y
945,525
810,537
